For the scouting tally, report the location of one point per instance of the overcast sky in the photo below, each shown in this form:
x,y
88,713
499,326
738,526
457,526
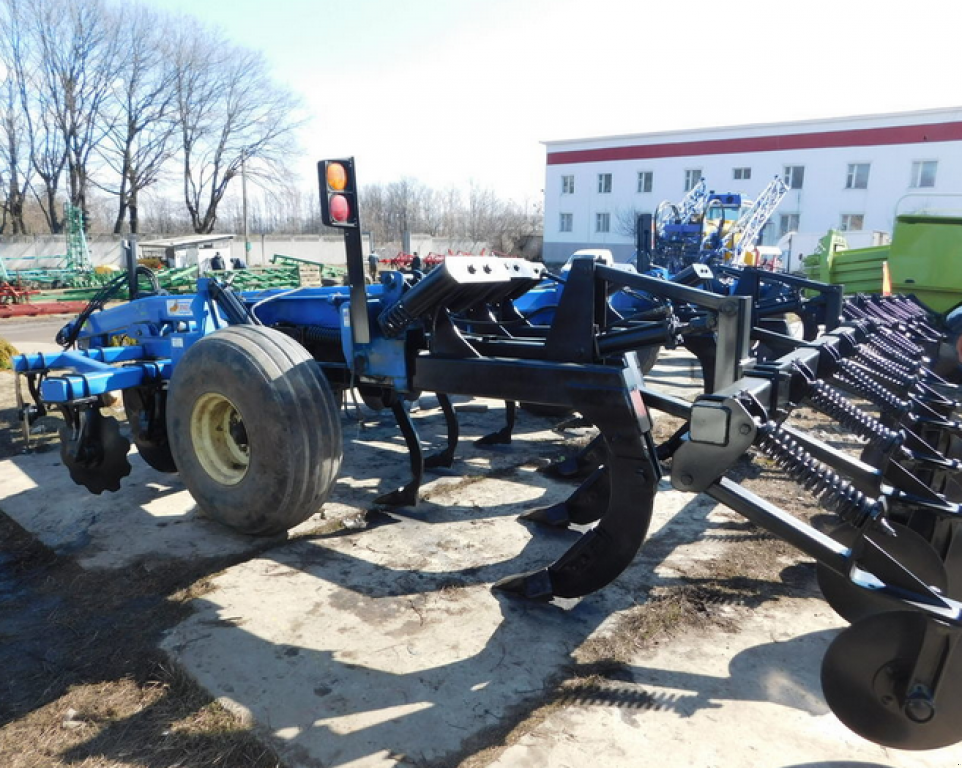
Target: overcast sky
x,y
450,91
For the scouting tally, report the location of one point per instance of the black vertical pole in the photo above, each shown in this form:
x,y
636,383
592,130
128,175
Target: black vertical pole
x,y
360,330
644,236
130,256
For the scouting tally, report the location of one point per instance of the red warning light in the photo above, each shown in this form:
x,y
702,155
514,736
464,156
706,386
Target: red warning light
x,y
340,208
338,193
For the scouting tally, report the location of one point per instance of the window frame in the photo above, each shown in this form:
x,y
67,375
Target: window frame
x,y
789,174
853,179
562,218
916,178
692,181
568,184
743,173
782,229
646,182
604,183
602,216
848,216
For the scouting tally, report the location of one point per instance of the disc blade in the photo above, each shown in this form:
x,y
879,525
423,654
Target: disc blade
x,y
853,602
105,469
864,675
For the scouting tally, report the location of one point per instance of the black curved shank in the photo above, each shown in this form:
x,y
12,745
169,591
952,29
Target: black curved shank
x,y
610,398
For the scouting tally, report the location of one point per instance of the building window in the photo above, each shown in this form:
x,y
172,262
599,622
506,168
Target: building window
x,y
604,183
645,180
857,177
787,222
741,174
765,236
692,177
567,185
794,176
566,221
852,222
923,173
602,222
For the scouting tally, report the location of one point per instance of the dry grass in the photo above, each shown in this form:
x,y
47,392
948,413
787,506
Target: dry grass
x,y
667,612
164,720
7,351
84,683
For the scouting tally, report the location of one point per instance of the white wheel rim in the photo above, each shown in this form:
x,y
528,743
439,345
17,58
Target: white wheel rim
x,y
219,438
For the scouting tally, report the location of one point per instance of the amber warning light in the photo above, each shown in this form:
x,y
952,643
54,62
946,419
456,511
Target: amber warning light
x,y
338,193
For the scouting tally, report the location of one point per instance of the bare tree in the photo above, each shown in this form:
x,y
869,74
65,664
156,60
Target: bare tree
x,y
14,158
485,213
230,114
451,211
374,218
79,52
626,221
138,140
29,122
402,206
388,210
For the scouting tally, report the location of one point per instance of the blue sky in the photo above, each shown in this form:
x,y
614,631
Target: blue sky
x,y
455,91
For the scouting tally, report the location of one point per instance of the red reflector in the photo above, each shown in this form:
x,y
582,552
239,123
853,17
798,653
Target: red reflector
x,y
339,208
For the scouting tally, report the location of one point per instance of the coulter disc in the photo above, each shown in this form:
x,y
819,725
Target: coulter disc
x,y
105,463
865,674
853,602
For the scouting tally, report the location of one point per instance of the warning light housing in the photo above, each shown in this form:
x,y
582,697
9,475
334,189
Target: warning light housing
x,y
338,193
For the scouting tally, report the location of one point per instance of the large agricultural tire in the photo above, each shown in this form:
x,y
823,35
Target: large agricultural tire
x,y
254,429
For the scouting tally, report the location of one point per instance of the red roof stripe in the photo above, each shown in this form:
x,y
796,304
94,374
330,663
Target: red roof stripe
x,y
863,137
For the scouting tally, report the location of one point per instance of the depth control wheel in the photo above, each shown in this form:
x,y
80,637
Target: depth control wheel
x,y
866,673
254,429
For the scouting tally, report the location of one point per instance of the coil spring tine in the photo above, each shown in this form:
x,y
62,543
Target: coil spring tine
x,y
883,379
890,368
834,492
882,347
831,402
855,379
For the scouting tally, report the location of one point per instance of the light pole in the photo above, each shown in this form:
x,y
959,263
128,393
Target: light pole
x,y
247,245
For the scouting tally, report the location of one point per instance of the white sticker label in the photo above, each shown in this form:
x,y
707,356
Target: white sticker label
x,y
179,308
176,341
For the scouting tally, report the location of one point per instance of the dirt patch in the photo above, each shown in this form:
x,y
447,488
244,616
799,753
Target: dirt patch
x,y
9,422
667,612
163,720
83,680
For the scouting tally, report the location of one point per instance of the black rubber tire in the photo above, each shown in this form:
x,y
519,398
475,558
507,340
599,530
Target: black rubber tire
x,y
290,421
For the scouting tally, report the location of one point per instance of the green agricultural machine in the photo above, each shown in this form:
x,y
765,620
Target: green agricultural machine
x,y
924,259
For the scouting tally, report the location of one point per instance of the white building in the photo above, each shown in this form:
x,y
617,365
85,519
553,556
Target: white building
x,y
851,173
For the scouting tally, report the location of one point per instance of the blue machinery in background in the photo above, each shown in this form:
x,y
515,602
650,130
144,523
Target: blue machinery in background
x,y
240,392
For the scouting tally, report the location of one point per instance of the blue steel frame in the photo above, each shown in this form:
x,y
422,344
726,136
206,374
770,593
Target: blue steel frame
x,y
162,328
